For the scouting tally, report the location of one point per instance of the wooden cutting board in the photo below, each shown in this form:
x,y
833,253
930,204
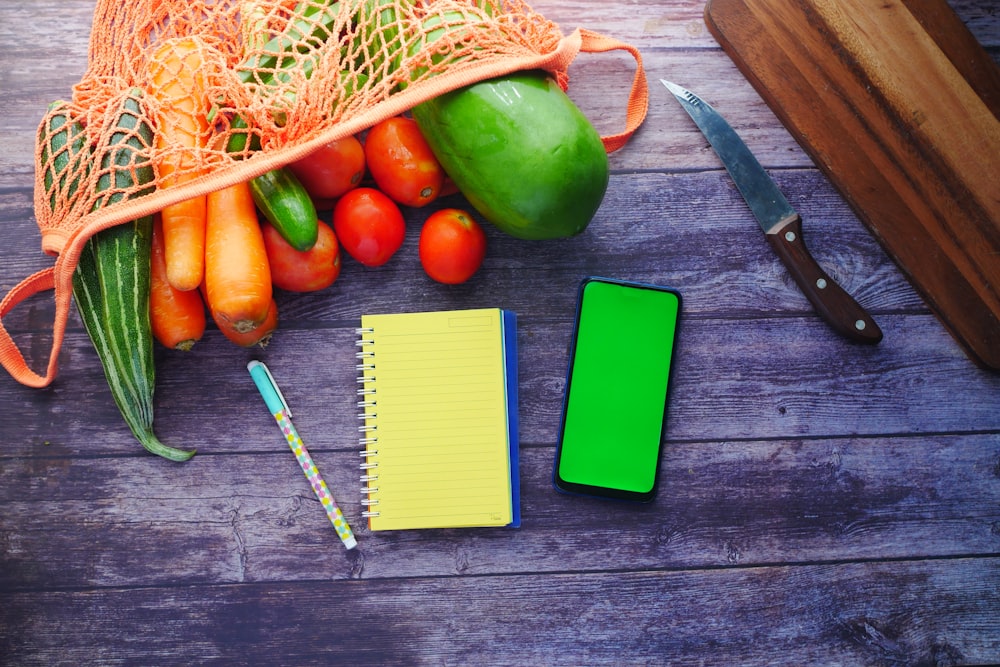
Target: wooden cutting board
x,y
898,105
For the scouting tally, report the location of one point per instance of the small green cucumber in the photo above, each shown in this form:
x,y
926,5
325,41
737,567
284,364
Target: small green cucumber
x,y
286,204
242,140
64,153
313,27
378,45
279,194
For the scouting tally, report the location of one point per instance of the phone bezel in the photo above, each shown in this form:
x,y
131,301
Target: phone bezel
x,y
576,488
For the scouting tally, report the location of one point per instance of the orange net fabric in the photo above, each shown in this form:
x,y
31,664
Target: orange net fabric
x,y
283,76
231,89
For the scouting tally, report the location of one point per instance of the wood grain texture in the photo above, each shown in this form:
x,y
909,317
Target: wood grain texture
x,y
821,503
801,500
844,614
906,128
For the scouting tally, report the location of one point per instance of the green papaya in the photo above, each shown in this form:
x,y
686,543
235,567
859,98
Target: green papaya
x,y
521,152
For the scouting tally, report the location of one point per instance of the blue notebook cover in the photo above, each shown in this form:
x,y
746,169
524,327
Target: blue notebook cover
x,y
513,441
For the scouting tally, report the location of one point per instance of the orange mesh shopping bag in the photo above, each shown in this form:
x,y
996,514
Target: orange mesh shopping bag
x,y
263,83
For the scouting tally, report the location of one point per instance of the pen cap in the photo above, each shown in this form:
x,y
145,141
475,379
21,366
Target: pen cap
x,y
267,387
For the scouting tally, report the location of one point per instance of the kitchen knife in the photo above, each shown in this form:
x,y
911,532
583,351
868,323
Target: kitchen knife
x,y
781,224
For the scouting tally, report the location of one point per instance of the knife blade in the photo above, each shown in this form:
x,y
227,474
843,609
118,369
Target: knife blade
x,y
781,223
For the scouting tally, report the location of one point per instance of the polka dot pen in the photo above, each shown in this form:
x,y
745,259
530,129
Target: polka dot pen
x,y
279,408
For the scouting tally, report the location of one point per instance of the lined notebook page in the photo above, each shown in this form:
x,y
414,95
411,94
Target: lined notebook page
x,y
440,415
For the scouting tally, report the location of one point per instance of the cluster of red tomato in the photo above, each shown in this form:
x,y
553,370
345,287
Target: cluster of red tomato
x,y
367,221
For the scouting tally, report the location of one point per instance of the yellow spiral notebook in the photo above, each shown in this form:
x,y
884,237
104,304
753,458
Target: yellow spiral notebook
x,y
438,409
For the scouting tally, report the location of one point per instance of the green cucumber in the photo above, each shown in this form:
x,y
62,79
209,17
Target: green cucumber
x,y
286,204
461,26
378,45
64,153
312,27
242,141
111,282
521,152
279,194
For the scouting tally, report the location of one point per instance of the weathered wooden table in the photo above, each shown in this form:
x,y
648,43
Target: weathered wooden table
x,y
821,502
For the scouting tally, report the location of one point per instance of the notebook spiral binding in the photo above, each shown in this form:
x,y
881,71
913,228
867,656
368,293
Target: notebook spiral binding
x,y
367,430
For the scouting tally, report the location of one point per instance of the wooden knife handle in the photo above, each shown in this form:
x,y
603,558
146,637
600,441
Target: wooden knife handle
x,y
834,305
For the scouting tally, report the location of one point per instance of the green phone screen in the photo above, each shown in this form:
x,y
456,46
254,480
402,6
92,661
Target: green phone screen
x,y
616,389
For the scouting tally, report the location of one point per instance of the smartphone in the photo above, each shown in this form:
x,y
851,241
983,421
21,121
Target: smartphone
x,y
617,384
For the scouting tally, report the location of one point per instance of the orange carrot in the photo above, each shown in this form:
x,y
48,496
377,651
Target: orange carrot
x,y
178,83
185,242
178,318
260,335
237,274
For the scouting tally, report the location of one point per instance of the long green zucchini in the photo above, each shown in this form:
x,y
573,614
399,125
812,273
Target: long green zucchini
x,y
111,281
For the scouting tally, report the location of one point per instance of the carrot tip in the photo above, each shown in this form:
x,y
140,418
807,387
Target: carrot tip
x,y
185,284
244,326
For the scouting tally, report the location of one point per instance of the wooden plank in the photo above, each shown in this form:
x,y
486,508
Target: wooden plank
x,y
733,381
679,24
854,613
235,517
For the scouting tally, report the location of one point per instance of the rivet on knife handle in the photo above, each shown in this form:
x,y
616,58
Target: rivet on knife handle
x,y
834,305
782,226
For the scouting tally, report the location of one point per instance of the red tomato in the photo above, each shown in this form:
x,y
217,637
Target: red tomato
x,y
452,246
307,271
333,169
369,225
401,162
